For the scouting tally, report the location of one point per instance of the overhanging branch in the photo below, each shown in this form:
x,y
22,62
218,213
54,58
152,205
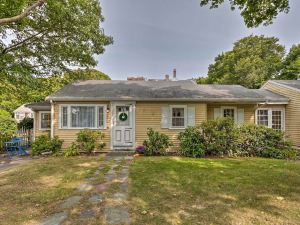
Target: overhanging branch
x,y
24,14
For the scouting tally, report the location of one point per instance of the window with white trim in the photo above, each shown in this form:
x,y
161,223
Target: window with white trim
x,y
45,120
178,116
272,118
229,112
82,116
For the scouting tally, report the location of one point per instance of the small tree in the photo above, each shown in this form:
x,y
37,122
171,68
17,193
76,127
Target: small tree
x,y
157,143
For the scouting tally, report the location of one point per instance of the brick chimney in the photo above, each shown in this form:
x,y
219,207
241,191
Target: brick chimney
x,y
167,77
136,78
174,74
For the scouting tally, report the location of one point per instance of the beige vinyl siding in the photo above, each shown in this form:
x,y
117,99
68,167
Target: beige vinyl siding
x,y
249,111
148,114
292,112
70,135
37,131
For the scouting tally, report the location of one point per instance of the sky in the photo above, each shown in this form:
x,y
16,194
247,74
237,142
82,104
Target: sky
x,y
151,38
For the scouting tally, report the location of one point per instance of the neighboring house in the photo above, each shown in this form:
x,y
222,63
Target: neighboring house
x,y
123,110
290,89
22,112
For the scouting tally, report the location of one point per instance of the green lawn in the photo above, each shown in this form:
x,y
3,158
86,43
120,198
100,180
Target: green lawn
x,y
30,192
174,190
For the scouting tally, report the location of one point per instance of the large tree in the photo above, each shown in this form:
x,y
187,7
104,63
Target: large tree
x,y
254,12
252,61
16,92
48,37
291,69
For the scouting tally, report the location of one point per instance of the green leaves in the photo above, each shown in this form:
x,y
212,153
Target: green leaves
x,y
54,37
254,12
252,61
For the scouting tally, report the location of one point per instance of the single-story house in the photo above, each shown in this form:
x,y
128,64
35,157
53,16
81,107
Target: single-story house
x,y
291,90
21,112
123,110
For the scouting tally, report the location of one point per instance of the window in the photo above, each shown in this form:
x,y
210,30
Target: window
x,y
230,112
82,116
272,118
263,117
178,115
17,115
45,120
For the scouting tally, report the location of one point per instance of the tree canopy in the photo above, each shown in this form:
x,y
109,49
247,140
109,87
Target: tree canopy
x,y
291,64
254,12
16,93
53,37
252,61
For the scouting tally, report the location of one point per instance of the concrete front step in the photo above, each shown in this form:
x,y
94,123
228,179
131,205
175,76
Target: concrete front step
x,y
121,153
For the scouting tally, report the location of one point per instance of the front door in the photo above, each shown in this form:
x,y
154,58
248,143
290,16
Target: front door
x,y
123,125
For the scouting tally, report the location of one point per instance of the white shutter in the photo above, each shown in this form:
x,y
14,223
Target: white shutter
x,y
191,116
217,113
165,116
240,116
104,116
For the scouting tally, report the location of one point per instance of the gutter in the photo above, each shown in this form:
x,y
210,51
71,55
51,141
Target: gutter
x,y
210,100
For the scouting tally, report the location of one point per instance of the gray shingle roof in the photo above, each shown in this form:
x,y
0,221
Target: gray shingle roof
x,y
36,106
184,90
295,84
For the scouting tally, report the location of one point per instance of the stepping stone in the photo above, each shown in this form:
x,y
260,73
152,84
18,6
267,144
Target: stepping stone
x,y
102,187
109,176
124,186
85,188
118,158
55,219
128,157
97,172
87,214
90,178
95,199
119,197
116,215
68,203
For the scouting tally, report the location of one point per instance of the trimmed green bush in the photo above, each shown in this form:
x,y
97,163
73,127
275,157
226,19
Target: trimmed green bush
x,y
71,151
87,140
8,127
157,143
44,144
253,140
218,136
222,138
191,142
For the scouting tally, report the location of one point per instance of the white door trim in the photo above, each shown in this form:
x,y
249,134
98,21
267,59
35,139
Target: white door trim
x,y
112,120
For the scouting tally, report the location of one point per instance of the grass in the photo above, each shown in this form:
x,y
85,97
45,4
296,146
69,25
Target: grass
x,y
174,190
35,190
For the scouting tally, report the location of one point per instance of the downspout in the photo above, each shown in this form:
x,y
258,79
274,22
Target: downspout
x,y
34,124
52,119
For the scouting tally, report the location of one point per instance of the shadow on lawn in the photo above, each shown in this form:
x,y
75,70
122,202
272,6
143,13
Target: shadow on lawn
x,y
214,191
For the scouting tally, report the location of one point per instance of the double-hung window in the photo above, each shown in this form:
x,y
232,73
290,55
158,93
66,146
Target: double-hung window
x,y
272,118
178,116
45,120
229,112
82,116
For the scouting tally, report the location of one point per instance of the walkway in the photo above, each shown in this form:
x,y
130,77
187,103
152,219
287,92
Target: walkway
x,y
101,199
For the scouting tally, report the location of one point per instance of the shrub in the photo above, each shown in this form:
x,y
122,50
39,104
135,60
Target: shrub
x,y
218,136
191,142
44,144
254,140
282,153
71,151
8,127
157,143
87,140
26,123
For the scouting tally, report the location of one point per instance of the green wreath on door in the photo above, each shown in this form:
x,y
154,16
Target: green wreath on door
x,y
123,116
